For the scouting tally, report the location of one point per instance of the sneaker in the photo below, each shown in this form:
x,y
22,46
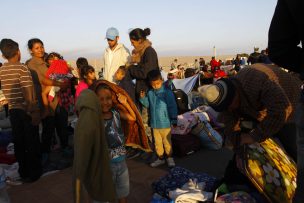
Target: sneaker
x,y
170,162
157,162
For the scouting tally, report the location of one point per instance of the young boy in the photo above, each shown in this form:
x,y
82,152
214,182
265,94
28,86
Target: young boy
x,y
18,89
163,114
124,80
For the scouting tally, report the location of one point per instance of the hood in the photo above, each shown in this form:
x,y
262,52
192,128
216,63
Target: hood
x,y
88,100
119,46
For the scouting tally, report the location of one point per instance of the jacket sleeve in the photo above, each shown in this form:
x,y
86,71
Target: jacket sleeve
x,y
149,63
172,107
284,38
144,101
277,110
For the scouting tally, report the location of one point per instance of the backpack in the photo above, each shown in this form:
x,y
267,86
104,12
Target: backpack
x,y
181,99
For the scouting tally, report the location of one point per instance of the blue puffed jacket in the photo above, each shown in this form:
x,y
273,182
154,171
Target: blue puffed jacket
x,y
162,106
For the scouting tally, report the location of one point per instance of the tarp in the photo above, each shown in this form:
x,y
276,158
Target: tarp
x,y
186,84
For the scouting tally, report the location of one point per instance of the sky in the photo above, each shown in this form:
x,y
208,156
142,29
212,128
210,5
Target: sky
x,y
77,28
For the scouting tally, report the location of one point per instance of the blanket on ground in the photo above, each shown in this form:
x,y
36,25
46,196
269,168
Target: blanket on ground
x,y
134,131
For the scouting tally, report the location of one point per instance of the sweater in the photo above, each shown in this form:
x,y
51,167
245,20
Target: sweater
x,y
148,62
162,106
120,57
91,159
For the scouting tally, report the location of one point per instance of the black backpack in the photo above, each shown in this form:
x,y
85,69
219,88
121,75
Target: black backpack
x,y
181,99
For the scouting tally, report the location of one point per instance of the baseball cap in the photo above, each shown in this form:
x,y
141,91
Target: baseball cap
x,y
112,33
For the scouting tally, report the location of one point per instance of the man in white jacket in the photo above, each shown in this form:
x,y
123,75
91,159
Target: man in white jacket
x,y
115,55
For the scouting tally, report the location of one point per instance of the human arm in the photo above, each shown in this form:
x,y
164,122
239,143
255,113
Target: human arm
x,y
130,115
144,99
284,38
148,63
172,107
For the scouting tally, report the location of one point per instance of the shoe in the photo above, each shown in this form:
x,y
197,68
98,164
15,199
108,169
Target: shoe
x,y
133,153
157,162
170,162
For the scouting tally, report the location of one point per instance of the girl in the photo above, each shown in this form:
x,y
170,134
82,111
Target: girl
x,y
87,77
115,138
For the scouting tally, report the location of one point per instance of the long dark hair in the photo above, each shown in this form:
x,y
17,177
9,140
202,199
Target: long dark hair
x,y
139,33
84,71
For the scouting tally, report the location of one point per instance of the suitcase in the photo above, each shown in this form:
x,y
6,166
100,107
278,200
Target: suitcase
x,y
185,144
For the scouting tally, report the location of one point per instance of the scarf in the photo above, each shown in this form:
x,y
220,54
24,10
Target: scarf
x,y
134,131
139,51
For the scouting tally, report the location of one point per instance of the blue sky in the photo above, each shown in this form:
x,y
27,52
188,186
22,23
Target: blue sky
x,y
178,27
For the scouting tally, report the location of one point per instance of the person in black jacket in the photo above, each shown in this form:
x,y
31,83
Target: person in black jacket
x,y
285,35
143,60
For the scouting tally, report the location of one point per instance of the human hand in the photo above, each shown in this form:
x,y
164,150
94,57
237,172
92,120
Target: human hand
x,y
121,98
142,94
64,85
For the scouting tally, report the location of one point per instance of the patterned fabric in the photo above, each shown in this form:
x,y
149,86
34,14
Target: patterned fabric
x,y
271,171
177,177
66,99
115,137
235,197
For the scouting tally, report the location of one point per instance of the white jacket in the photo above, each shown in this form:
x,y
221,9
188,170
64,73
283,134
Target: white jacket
x,y
121,56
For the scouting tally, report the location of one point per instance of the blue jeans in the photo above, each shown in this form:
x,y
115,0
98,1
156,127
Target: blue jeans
x,y
299,195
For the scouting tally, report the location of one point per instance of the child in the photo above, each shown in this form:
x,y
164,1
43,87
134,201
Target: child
x,y
124,80
115,137
18,89
163,114
59,71
87,77
91,165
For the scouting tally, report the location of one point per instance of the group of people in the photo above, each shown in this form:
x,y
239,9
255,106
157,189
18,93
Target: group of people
x,y
41,92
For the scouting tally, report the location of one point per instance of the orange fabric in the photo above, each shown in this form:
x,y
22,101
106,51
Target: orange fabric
x,y
134,131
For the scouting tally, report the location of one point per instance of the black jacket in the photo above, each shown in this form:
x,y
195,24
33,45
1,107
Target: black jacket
x,y
148,62
286,33
127,84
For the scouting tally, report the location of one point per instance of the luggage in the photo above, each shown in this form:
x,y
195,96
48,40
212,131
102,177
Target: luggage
x,y
270,170
185,122
181,99
185,144
209,137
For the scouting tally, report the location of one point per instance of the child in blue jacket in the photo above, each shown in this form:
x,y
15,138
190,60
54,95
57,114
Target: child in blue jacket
x,y
163,115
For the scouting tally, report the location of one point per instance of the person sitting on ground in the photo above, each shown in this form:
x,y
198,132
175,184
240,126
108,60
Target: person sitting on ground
x,y
163,115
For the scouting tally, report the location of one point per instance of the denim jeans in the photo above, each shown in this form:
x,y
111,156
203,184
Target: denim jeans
x,y
299,195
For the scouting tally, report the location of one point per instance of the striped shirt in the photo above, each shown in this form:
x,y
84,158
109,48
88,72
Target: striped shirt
x,y
17,86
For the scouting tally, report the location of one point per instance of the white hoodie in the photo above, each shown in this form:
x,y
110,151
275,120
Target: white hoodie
x,y
113,59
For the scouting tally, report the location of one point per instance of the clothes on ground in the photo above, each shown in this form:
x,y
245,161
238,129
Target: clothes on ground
x,y
179,176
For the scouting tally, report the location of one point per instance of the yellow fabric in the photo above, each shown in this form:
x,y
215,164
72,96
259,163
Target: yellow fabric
x,y
162,139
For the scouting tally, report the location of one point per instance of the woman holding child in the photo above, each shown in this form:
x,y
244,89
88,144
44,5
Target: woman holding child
x,y
38,67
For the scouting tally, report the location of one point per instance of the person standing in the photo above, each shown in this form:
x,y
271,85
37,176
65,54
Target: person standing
x,y
57,119
18,89
115,55
144,59
286,32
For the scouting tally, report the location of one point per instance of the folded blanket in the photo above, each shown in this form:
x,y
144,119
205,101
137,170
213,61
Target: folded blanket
x,y
134,131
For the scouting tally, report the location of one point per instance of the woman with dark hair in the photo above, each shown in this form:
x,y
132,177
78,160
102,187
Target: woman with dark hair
x,y
143,60
87,77
59,118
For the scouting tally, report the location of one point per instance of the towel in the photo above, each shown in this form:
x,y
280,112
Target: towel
x,y
134,131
